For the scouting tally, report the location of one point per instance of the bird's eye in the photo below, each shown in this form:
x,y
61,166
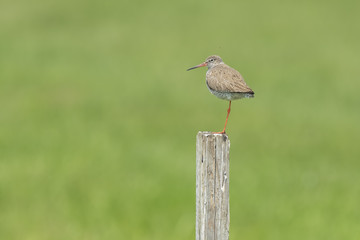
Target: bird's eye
x,y
211,60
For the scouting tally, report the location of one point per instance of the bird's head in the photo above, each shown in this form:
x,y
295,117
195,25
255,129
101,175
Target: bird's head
x,y
210,62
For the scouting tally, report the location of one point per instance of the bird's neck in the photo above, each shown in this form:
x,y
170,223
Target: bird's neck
x,y
213,66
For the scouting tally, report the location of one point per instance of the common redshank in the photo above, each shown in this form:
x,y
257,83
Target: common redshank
x,y
224,82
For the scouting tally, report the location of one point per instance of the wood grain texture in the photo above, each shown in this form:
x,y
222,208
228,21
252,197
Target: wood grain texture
x,y
212,186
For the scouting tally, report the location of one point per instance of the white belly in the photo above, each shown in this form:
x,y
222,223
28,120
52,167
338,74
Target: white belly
x,y
229,95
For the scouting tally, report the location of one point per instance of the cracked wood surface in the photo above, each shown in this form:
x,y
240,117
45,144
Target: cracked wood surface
x,y
212,186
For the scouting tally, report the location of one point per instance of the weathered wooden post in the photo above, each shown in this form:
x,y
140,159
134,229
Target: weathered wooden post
x,y
212,186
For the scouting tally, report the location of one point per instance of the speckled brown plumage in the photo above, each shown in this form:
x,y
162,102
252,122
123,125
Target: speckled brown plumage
x,y
223,78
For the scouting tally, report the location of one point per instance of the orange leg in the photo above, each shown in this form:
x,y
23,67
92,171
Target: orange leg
x,y
228,113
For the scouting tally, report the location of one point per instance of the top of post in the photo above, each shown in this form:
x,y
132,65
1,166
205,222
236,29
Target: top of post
x,y
217,135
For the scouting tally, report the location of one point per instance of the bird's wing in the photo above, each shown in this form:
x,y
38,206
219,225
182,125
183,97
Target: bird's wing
x,y
226,79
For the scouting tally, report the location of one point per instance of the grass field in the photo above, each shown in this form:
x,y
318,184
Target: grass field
x,y
98,117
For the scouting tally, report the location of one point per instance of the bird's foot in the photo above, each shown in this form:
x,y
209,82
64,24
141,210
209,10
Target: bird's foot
x,y
222,132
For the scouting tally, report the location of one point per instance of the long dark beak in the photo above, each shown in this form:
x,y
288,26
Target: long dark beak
x,y
197,66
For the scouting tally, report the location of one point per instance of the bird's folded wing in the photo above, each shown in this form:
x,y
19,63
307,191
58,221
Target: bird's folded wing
x,y
226,79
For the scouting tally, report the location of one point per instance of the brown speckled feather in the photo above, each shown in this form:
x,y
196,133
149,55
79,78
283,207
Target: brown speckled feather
x,y
223,78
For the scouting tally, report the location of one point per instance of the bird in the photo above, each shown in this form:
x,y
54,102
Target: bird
x,y
224,82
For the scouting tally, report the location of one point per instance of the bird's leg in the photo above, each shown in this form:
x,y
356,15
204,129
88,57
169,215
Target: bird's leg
x,y
228,113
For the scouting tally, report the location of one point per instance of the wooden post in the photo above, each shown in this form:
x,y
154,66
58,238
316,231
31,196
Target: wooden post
x,y
212,186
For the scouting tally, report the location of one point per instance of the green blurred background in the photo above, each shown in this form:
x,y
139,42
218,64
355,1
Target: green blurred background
x,y
98,117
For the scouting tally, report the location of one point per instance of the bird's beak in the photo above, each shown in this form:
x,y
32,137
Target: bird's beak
x,y
200,65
